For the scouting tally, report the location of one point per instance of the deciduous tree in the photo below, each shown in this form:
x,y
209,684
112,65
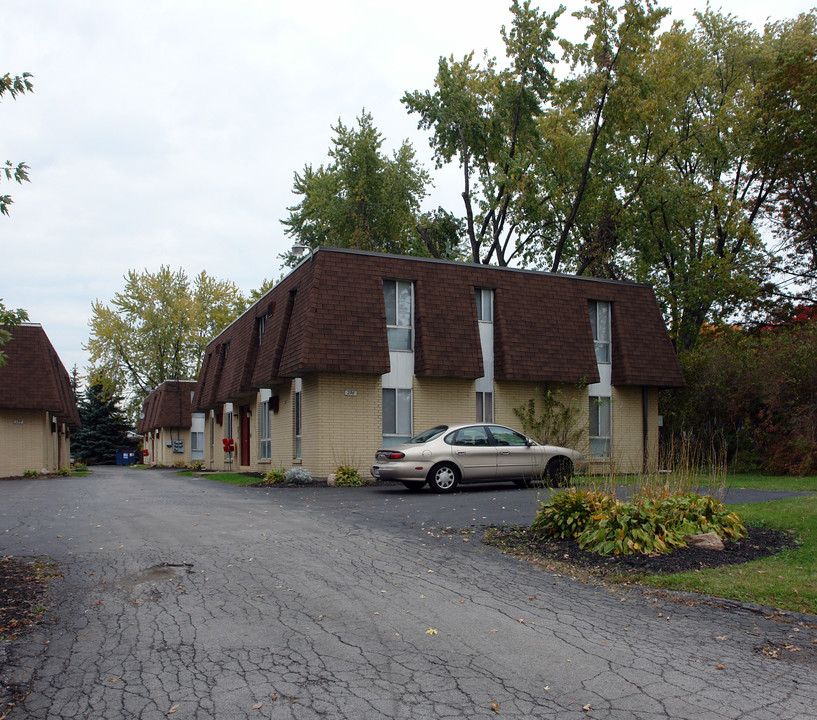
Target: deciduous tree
x,y
362,199
9,319
157,329
13,86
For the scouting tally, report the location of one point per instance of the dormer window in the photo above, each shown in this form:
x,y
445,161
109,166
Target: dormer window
x,y
600,323
397,295
485,305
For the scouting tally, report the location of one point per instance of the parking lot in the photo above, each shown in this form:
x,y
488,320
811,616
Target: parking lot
x,y
182,597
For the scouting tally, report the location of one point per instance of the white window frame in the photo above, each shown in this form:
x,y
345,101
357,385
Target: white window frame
x,y
297,416
397,425
264,431
600,310
401,330
601,426
485,305
485,406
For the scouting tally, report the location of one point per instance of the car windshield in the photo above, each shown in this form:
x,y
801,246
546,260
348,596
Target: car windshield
x,y
427,435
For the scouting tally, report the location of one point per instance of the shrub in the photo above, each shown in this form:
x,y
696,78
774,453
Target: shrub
x,y
198,465
275,477
64,471
31,473
80,467
567,513
605,526
298,475
346,476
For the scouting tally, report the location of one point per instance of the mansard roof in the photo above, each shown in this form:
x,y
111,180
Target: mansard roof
x,y
328,315
168,406
34,378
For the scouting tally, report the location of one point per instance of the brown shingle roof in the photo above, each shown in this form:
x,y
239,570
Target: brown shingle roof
x,y
167,406
34,378
329,315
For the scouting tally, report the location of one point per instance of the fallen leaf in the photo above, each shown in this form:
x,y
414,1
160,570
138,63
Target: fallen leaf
x,y
173,709
257,706
719,667
587,708
431,631
495,706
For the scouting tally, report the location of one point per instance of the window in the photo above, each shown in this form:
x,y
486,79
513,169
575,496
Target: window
x,y
600,323
297,416
197,436
600,426
196,445
397,295
470,437
485,407
261,321
264,432
396,416
506,437
485,305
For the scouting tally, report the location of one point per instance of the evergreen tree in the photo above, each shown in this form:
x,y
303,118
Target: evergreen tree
x,y
103,431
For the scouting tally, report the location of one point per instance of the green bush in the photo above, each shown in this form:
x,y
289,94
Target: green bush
x,y
80,467
605,526
275,477
64,471
346,476
568,512
31,473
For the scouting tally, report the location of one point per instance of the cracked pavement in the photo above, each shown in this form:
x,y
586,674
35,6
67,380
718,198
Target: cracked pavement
x,y
185,598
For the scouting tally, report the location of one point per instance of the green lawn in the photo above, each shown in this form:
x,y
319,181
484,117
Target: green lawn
x,y
787,580
772,482
228,478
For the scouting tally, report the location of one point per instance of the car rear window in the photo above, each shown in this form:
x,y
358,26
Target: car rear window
x,y
429,434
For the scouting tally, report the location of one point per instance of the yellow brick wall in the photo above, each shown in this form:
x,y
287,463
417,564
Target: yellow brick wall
x,y
282,428
510,394
164,455
628,452
340,428
442,400
25,440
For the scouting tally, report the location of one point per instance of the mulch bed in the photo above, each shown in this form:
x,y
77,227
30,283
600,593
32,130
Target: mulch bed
x,y
22,591
760,542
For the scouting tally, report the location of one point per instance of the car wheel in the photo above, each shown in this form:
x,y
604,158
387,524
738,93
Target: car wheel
x,y
559,471
414,485
444,478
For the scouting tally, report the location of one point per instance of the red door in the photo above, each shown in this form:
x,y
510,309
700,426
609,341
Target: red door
x,y
244,413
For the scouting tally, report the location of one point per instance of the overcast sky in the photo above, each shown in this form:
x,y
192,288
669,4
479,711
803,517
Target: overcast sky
x,y
168,131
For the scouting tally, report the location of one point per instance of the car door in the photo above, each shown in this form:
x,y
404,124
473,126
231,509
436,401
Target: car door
x,y
473,451
515,458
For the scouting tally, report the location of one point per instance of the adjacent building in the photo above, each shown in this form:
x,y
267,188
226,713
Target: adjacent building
x,y
171,433
37,405
353,351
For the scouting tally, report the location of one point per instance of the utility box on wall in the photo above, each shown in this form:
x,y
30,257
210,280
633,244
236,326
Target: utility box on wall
x,y
178,446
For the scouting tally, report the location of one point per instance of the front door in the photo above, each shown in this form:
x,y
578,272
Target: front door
x,y
244,414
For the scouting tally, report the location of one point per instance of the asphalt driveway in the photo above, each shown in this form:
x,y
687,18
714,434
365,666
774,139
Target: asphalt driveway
x,y
185,598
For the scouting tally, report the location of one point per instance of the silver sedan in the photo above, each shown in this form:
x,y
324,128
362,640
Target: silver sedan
x,y
446,455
